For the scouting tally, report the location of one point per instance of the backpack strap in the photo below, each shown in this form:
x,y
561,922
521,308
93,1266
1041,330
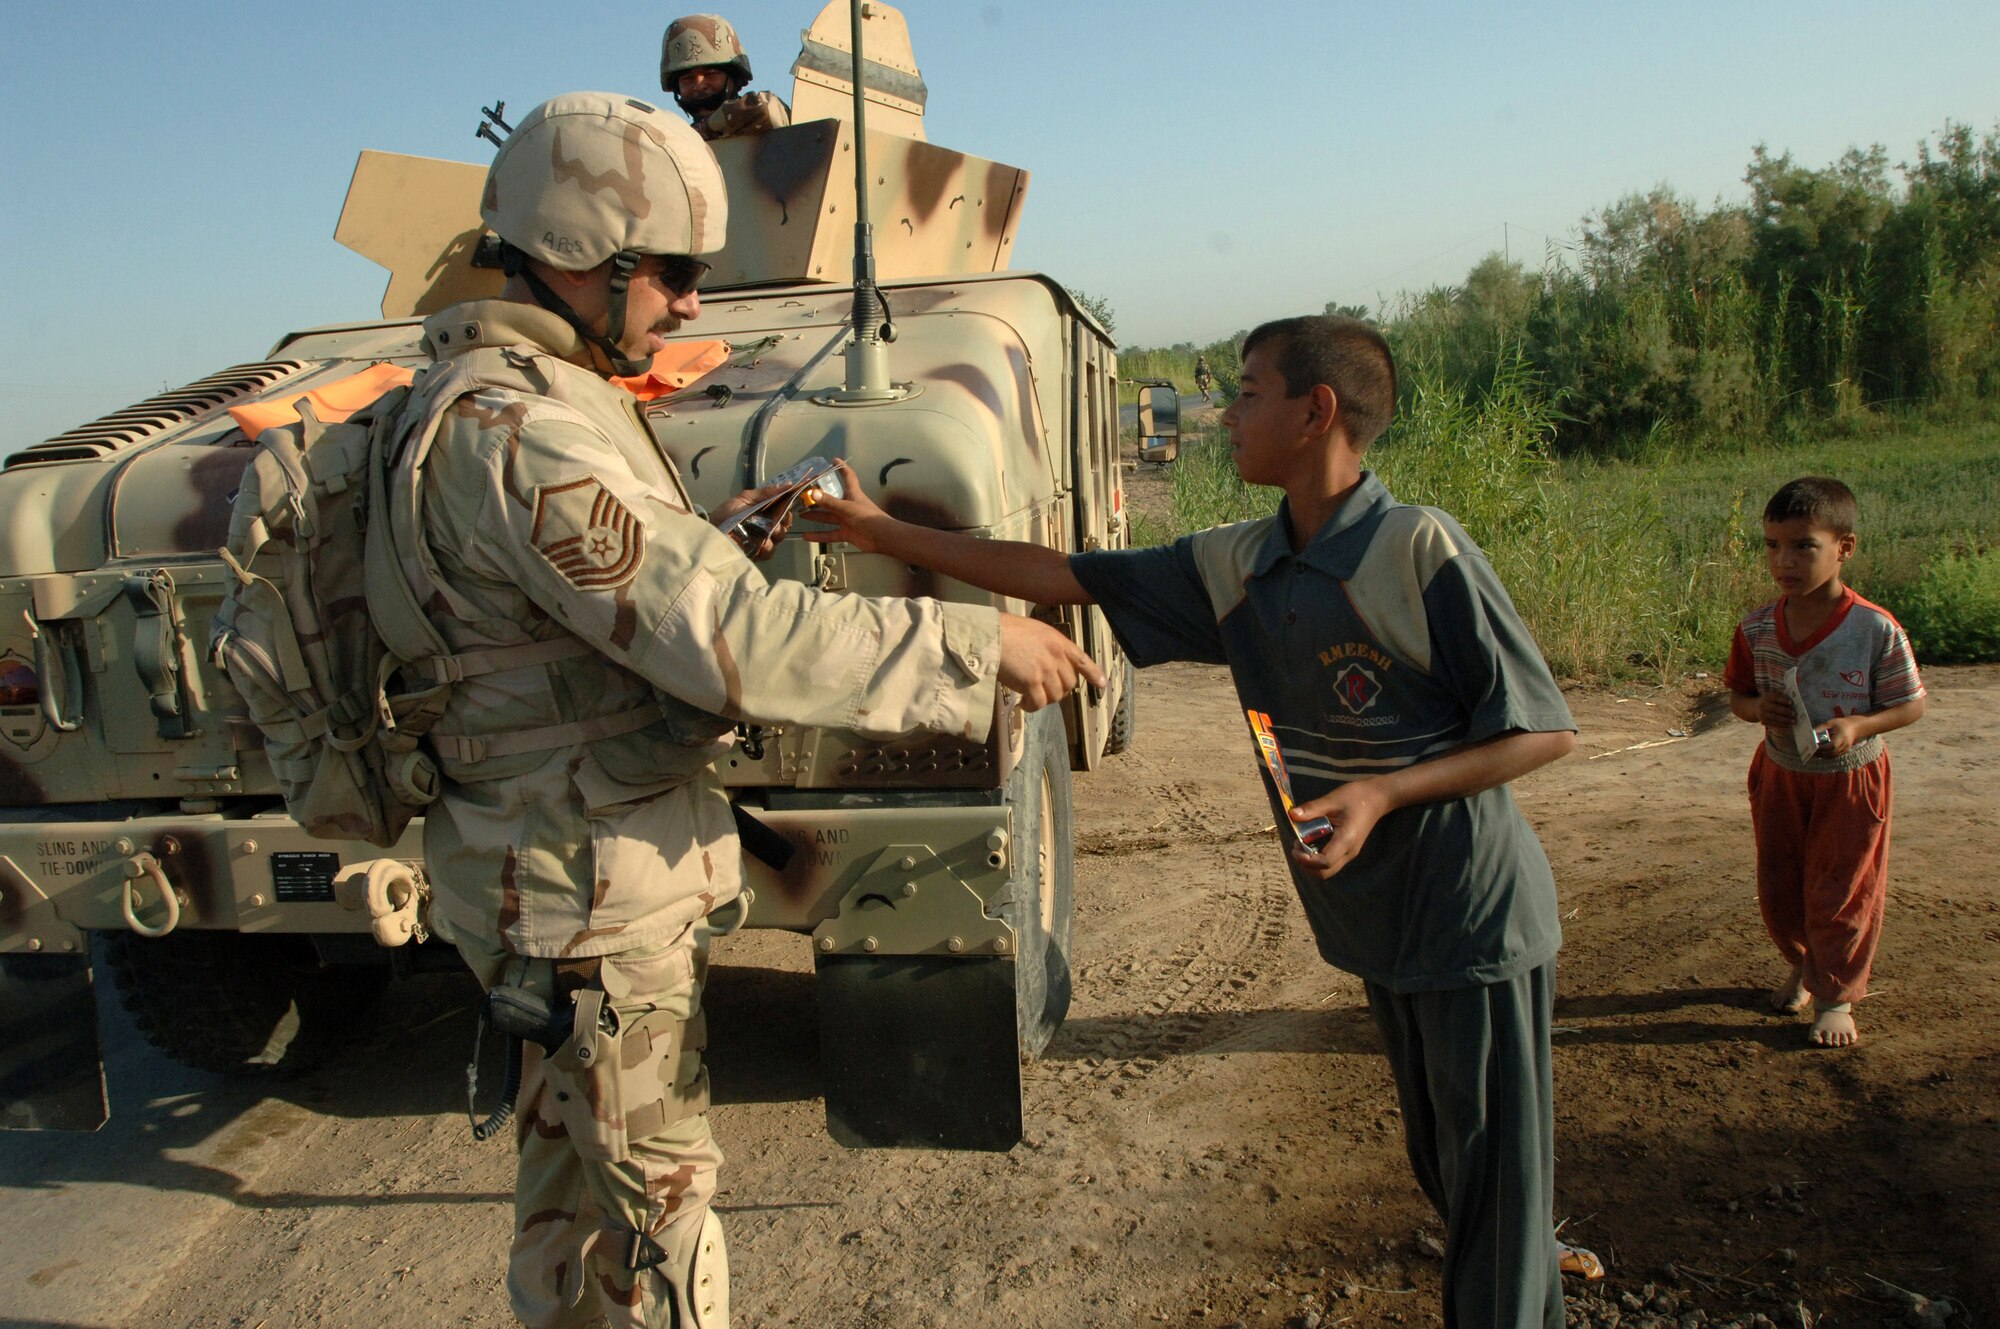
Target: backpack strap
x,y
398,548
480,747
494,660
397,608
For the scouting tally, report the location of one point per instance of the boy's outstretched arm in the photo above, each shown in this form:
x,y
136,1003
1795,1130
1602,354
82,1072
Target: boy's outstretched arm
x,y
1355,807
1030,572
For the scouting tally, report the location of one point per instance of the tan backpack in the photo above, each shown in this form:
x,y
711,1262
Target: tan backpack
x,y
323,634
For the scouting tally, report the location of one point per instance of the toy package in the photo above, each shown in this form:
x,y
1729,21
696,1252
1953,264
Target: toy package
x,y
1311,834
803,483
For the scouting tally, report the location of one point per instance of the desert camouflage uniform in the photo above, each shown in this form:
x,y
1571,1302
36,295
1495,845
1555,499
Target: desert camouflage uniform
x,y
552,516
752,113
709,41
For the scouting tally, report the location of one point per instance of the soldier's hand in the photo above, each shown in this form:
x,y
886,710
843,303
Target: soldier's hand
x,y
847,520
1041,663
750,498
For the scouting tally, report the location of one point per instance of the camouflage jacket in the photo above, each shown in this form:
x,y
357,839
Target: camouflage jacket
x,y
752,113
549,514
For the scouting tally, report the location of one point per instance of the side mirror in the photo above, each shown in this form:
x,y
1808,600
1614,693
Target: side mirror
x,y
1159,423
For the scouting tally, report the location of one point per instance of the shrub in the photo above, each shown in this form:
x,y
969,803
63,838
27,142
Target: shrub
x,y
1952,609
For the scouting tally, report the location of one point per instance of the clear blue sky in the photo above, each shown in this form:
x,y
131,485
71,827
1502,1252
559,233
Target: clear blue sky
x,y
171,174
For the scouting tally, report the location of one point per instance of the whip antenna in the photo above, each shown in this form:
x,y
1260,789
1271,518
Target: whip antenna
x,y
868,354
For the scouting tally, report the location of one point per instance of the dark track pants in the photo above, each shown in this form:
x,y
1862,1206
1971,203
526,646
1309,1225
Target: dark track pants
x,y
1473,1072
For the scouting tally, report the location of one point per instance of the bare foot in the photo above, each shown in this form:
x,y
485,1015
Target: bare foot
x,y
1833,1027
1791,996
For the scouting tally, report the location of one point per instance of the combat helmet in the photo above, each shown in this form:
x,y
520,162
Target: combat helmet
x,y
591,176
701,41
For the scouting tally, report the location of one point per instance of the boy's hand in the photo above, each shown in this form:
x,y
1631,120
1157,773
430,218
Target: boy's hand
x,y
750,498
1353,809
846,519
1774,710
1842,733
1041,663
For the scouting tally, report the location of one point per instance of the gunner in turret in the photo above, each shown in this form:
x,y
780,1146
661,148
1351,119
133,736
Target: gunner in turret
x,y
703,65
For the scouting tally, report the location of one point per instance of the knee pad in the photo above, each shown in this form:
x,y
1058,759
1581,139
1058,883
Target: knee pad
x,y
694,1263
706,1292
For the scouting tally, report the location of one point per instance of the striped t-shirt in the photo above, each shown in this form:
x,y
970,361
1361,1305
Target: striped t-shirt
x,y
1856,663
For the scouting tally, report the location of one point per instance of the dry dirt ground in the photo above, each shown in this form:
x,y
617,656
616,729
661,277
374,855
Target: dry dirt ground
x,y
1213,1137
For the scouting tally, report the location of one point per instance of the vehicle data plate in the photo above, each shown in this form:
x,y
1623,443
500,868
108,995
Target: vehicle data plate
x,y
304,876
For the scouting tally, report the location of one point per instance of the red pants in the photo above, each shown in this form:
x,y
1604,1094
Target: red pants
x,y
1823,869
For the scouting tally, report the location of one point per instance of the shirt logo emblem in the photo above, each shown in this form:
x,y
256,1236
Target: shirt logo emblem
x,y
1852,677
1357,688
587,535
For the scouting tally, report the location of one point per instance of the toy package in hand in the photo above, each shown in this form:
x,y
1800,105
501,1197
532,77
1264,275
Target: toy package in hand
x,y
1807,737
803,483
1311,834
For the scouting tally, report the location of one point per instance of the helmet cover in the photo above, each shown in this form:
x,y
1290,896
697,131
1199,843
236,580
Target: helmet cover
x,y
590,174
701,41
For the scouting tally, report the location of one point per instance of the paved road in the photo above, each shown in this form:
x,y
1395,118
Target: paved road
x,y
89,1223
93,1225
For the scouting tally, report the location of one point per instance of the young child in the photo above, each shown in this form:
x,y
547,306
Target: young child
x,y
1822,817
1406,692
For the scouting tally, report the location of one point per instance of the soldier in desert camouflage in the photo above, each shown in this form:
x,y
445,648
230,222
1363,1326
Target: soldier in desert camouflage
x,y
581,837
703,65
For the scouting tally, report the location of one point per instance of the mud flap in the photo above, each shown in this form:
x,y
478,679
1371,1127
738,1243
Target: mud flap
x,y
51,1061
919,1052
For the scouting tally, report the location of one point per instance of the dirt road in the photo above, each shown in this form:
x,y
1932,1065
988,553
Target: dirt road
x,y
1213,1137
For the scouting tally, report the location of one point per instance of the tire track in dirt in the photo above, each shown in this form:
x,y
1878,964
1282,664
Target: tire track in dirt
x,y
1157,1001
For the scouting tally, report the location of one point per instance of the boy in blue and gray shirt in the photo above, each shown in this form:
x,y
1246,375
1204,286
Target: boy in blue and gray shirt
x,y
1406,693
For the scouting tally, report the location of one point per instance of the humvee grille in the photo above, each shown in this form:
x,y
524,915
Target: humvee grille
x,y
121,429
939,760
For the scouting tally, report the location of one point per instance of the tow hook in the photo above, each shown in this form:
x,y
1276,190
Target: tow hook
x,y
392,892
733,915
143,864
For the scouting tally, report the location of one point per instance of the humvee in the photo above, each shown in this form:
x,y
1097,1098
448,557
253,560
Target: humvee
x,y
141,825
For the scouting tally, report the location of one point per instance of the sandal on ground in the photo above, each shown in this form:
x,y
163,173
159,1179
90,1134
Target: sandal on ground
x,y
1578,1262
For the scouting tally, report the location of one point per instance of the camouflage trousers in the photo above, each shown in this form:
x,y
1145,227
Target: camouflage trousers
x,y
617,1164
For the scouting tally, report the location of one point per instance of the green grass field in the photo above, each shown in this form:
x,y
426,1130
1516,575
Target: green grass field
x,y
1642,568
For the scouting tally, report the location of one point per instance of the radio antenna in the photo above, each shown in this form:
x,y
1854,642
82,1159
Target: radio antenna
x,y
868,353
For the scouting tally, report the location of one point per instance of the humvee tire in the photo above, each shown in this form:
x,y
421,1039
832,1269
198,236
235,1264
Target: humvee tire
x,y
1041,897
1125,720
241,1003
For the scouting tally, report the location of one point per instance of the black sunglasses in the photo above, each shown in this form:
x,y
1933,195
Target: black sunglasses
x,y
679,273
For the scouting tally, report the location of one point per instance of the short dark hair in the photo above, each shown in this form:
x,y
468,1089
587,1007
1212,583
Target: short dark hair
x,y
1347,354
1818,499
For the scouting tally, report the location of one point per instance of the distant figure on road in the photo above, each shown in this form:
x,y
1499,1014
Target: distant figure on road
x,y
703,65
1820,795
1204,377
1406,692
